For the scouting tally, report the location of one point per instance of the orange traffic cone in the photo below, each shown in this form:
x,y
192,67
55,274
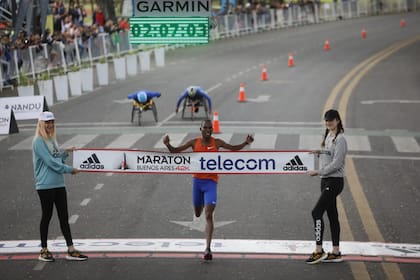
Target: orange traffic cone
x,y
241,96
216,127
291,62
402,23
364,34
264,74
327,46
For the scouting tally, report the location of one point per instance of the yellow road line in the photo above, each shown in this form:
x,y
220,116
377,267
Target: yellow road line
x,y
358,268
354,76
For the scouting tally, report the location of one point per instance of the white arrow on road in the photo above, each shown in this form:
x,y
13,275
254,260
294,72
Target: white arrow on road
x,y
123,101
200,223
401,101
259,99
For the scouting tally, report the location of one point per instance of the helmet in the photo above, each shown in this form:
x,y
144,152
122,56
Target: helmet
x,y
141,96
192,91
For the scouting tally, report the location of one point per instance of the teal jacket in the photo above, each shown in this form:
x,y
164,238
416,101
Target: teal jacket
x,y
49,165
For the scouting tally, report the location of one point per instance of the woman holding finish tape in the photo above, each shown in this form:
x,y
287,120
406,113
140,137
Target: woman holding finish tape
x,y
332,160
49,167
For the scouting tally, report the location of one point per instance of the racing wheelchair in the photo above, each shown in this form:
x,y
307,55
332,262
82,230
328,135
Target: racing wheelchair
x,y
190,107
139,108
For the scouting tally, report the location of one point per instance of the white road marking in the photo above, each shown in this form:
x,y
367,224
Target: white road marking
x,y
25,144
400,101
123,101
167,119
224,136
310,142
199,223
85,202
358,143
39,266
214,87
239,246
264,141
79,141
98,187
384,157
406,144
259,99
175,140
125,141
73,219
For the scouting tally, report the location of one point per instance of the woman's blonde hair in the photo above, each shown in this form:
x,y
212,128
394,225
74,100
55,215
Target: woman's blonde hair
x,y
42,132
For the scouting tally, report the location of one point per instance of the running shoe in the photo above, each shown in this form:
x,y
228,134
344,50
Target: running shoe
x,y
45,256
207,255
333,258
316,257
75,256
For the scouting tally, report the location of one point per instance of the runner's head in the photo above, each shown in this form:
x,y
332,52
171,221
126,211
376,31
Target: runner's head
x,y
142,96
206,128
192,91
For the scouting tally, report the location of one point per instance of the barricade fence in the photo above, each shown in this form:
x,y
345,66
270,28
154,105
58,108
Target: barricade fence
x,y
57,57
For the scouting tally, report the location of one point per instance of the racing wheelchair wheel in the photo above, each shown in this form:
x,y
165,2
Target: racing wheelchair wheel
x,y
155,113
133,112
206,110
184,107
139,116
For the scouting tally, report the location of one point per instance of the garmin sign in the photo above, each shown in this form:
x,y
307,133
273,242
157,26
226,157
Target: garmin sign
x,y
166,8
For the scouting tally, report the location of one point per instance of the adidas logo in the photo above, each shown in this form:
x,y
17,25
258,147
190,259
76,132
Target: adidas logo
x,y
295,164
92,162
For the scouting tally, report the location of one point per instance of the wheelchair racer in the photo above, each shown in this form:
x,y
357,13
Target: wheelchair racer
x,y
197,95
143,98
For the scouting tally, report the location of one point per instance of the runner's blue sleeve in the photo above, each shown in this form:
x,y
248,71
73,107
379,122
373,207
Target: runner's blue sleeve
x,y
132,95
183,95
153,94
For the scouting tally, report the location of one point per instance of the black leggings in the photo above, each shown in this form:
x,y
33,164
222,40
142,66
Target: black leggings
x,y
57,196
330,189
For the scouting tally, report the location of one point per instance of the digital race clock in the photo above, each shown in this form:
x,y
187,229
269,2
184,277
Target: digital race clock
x,y
169,30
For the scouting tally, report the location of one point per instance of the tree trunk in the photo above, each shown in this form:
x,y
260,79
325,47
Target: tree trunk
x,y
108,8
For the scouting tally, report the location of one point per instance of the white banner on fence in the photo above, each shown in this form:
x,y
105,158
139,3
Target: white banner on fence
x,y
241,162
25,108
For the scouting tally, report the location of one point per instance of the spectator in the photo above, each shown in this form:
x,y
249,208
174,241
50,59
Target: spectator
x,y
99,18
123,24
59,12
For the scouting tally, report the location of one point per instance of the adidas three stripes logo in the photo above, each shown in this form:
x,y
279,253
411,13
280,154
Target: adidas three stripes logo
x,y
295,164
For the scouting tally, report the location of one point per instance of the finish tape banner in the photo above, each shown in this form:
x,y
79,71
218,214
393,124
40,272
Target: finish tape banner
x,y
221,162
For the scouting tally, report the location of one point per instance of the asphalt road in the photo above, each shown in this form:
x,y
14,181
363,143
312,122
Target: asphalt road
x,y
373,82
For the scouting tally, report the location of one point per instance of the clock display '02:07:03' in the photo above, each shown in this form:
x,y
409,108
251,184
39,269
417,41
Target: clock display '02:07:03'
x,y
150,30
169,30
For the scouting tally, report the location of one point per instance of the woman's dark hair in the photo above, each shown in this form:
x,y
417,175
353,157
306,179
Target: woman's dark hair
x,y
332,115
